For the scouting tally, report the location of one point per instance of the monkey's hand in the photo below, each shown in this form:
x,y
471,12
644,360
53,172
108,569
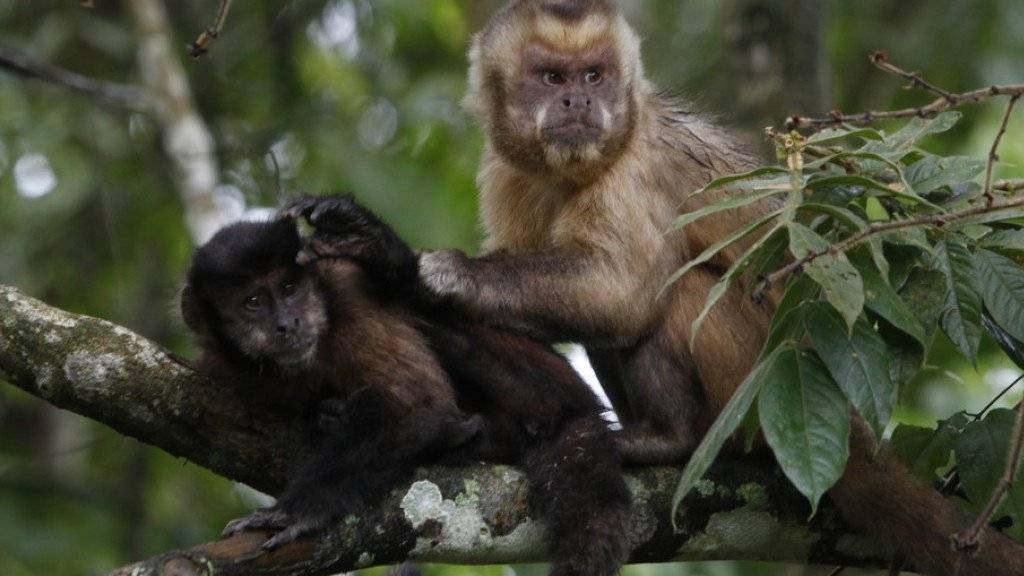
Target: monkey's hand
x,y
446,275
343,227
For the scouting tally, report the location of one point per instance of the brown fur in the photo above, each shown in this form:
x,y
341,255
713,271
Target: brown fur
x,y
577,250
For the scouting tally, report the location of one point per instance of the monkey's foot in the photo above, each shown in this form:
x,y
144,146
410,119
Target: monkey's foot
x,y
331,417
297,529
265,519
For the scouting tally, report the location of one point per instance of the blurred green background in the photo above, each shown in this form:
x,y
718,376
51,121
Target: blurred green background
x,y
354,95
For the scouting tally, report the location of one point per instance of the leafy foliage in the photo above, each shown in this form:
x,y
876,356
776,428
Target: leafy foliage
x,y
883,257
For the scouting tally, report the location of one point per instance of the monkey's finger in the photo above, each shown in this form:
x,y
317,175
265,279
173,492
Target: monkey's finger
x,y
339,214
299,208
289,534
261,520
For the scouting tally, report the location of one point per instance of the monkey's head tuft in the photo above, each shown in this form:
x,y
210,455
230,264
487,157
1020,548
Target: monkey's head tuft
x,y
557,84
246,293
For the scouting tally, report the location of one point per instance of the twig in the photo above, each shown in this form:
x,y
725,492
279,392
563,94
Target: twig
x,y
837,118
968,541
122,96
881,60
944,101
207,36
877,228
1009,185
993,154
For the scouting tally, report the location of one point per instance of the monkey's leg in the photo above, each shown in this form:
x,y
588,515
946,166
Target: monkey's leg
x,y
665,400
577,480
350,471
675,393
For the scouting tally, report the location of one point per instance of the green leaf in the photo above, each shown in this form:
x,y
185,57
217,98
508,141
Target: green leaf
x,y
857,362
788,322
918,128
1005,241
840,281
717,247
855,223
830,136
868,184
925,449
770,258
729,203
875,211
806,420
720,287
726,180
981,452
933,172
727,422
914,237
925,294
881,299
961,316
1001,282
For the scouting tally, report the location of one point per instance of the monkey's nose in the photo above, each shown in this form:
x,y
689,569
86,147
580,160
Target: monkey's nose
x,y
575,101
285,325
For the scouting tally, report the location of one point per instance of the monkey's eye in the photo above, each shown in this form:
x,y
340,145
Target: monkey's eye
x,y
289,288
552,78
592,77
254,303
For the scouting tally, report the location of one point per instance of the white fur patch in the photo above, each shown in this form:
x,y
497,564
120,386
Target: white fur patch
x,y
542,115
443,273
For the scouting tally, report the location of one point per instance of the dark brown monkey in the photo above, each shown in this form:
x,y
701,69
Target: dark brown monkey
x,y
586,165
396,380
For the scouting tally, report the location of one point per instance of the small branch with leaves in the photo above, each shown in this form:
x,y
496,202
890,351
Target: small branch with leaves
x,y
869,245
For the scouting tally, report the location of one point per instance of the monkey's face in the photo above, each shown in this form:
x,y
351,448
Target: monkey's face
x,y
279,316
568,110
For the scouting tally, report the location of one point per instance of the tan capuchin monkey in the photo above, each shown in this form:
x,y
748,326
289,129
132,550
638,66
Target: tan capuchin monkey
x,y
586,166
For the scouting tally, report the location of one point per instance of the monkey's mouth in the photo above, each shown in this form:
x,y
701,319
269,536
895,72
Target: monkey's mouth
x,y
295,350
574,133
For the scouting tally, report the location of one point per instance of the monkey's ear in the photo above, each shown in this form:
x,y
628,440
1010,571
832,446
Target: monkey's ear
x,y
190,310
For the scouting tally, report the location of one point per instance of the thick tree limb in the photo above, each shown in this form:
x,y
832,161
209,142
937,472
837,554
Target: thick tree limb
x,y
473,515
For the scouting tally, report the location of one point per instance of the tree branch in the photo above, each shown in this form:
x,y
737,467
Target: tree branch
x,y
993,155
121,96
472,515
945,101
865,234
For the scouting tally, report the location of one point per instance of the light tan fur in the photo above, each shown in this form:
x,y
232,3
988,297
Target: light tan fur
x,y
579,248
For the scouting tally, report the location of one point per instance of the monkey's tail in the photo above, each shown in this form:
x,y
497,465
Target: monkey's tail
x,y
577,480
878,495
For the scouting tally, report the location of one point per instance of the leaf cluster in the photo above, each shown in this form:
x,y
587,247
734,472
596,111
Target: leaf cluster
x,y
888,258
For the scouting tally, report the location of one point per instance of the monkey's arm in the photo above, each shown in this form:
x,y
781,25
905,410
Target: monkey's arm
x,y
555,295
